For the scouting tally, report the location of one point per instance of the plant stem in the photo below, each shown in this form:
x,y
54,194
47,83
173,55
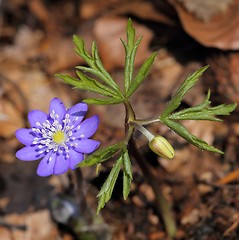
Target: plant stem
x,y
129,117
144,131
146,122
161,203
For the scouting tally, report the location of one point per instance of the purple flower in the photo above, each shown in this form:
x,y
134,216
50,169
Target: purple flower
x,y
60,139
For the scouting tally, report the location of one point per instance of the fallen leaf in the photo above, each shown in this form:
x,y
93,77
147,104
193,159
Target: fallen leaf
x,y
108,31
224,69
10,119
206,10
146,10
221,31
38,226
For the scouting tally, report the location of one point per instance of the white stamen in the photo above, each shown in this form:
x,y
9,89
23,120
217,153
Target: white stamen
x,y
46,131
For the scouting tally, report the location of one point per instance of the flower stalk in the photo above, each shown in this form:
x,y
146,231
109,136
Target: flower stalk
x,y
162,204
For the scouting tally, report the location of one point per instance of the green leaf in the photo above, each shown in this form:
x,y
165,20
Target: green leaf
x,y
81,50
127,174
107,78
203,111
103,101
129,64
126,185
95,63
86,83
101,155
127,164
183,89
130,32
141,75
130,52
106,191
196,108
104,90
184,133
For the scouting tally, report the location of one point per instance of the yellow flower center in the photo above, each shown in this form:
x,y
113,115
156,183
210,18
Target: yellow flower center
x,y
59,137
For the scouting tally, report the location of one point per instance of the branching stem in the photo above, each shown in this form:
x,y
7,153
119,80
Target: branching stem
x,y
161,203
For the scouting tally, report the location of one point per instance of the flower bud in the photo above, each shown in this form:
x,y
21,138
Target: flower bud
x,y
161,147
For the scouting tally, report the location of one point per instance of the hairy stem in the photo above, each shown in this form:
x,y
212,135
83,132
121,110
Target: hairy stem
x,y
129,117
162,204
146,122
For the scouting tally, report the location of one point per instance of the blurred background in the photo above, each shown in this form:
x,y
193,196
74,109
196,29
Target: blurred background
x,y
203,188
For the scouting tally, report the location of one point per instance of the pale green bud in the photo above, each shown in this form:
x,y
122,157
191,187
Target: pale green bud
x,y
161,147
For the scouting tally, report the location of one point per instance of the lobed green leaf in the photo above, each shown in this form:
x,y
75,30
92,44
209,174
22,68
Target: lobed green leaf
x,y
130,52
88,84
106,191
203,111
95,63
101,155
127,174
103,90
184,133
81,50
103,101
130,32
141,75
188,83
99,66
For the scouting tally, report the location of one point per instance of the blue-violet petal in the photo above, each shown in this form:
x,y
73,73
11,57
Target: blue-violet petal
x,y
75,158
58,107
77,113
25,136
35,116
29,153
86,145
87,128
46,165
61,165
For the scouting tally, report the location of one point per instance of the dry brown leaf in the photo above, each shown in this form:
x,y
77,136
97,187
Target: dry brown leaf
x,y
147,191
108,31
144,10
54,51
205,10
10,119
224,68
141,8
192,217
25,45
39,226
92,8
221,31
60,54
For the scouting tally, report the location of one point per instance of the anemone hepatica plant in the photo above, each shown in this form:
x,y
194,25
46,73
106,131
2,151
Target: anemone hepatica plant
x,y
56,137
104,85
60,139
